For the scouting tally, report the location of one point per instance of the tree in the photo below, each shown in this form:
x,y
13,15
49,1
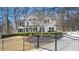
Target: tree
x,y
5,11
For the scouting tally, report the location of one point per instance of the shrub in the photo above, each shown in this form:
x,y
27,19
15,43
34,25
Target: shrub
x,y
32,33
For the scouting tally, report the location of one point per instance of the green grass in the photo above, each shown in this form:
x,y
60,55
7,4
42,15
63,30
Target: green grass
x,y
31,33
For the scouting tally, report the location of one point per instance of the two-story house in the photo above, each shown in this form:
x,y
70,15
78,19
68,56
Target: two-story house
x,y
33,23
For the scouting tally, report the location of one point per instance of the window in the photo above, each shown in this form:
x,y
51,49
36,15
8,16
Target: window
x,y
23,24
29,19
21,30
51,29
19,24
46,21
27,23
18,30
34,29
34,23
26,29
41,29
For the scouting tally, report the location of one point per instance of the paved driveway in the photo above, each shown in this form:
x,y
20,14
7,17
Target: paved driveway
x,y
63,44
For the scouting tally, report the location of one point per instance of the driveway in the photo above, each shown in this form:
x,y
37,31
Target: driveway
x,y
63,44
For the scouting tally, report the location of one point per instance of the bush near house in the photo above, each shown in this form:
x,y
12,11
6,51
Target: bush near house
x,y
32,34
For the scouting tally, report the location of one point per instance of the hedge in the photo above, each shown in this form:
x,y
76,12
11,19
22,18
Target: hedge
x,y
31,33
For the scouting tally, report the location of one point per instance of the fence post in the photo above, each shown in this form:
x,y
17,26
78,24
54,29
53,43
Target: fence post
x,y
23,43
2,45
55,42
38,41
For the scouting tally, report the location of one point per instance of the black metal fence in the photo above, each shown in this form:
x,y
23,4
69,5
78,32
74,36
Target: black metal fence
x,y
64,43
48,42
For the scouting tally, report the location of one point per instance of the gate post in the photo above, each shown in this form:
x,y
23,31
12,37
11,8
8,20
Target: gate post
x,y
38,41
56,42
2,45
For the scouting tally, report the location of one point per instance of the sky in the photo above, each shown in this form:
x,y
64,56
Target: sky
x,y
27,11
11,11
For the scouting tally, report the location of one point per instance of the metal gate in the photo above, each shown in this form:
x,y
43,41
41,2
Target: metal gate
x,y
54,43
68,43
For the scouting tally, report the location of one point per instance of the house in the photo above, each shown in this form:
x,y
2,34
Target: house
x,y
33,23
